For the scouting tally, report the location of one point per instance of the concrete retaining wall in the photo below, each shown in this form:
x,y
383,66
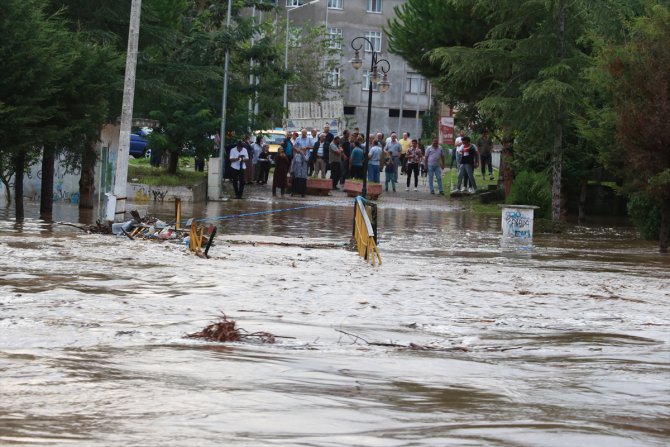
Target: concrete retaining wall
x,y
138,192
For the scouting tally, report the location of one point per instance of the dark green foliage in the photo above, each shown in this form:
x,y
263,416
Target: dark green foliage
x,y
520,67
429,123
421,26
645,213
532,188
34,66
640,86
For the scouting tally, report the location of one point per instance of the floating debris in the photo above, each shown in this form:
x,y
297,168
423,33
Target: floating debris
x,y
225,330
98,228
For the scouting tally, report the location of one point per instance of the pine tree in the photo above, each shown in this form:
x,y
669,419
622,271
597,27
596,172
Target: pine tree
x,y
639,82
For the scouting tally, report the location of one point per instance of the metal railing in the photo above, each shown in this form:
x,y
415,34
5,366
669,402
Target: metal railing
x,y
364,234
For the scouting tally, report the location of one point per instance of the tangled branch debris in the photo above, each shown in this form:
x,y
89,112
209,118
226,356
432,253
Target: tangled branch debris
x,y
146,220
224,330
98,228
416,347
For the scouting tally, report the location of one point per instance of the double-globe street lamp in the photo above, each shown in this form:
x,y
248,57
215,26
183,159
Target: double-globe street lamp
x,y
288,12
378,75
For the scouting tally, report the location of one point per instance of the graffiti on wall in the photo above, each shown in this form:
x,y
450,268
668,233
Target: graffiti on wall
x,y
518,223
146,193
63,191
66,183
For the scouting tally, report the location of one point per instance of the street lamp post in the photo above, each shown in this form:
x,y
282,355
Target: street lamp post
x,y
378,76
288,12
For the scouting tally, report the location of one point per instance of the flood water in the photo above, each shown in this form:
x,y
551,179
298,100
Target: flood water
x,y
565,343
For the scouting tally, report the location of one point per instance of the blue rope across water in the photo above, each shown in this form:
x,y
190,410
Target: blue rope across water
x,y
258,213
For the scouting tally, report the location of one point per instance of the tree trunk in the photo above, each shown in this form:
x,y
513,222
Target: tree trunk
x,y
19,163
173,162
582,203
664,233
86,181
47,183
557,152
557,166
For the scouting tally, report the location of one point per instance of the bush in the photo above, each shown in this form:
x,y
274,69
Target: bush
x,y
645,214
532,188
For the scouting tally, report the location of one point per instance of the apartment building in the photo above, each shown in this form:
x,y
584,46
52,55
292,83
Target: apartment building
x,y
402,107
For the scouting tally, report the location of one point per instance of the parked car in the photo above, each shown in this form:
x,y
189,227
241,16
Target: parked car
x,y
138,145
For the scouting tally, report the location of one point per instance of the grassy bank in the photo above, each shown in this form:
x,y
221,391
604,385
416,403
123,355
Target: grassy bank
x,y
140,171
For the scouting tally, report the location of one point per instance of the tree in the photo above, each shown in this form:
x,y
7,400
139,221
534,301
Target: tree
x,y
188,103
519,63
639,82
312,55
34,64
413,36
82,107
526,71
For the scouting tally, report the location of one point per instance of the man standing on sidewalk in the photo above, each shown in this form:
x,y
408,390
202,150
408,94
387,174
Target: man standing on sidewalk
x,y
238,158
393,149
414,158
435,162
320,155
329,134
335,158
315,139
304,141
345,144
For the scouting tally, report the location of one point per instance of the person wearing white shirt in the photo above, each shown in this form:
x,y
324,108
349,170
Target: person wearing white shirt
x,y
238,157
393,148
257,149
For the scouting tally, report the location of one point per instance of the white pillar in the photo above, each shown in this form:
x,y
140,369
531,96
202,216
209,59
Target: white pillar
x,y
116,206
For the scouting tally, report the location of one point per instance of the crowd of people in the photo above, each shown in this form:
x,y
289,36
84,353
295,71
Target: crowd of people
x,y
314,154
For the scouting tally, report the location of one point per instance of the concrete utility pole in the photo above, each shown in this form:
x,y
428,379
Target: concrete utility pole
x,y
116,203
224,104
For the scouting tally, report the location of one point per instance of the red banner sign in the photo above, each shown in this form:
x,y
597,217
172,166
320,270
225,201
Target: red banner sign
x,y
446,126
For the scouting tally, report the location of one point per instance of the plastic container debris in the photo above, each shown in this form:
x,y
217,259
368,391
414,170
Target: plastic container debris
x,y
167,233
119,227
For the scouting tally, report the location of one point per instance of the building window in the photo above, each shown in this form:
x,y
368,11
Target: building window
x,y
411,113
293,3
366,82
333,78
376,38
335,4
416,84
375,6
394,113
335,37
350,110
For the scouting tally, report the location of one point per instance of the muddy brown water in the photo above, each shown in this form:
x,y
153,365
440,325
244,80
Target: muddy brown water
x,y
565,343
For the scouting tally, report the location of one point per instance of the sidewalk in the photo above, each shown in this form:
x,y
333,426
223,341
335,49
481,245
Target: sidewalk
x,y
398,199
